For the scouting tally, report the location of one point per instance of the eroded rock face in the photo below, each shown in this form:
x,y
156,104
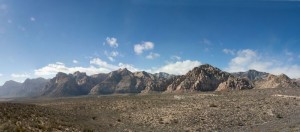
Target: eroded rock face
x,y
69,85
202,78
120,81
273,81
234,83
251,75
124,81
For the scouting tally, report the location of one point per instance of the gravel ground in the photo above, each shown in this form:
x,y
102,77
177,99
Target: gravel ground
x,y
248,110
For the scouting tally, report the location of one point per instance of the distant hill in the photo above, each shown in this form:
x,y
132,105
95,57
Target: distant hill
x,y
30,87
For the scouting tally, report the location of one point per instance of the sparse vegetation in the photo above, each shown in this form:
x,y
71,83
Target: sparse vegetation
x,y
215,111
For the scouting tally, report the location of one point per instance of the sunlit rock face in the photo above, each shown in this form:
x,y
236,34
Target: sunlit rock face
x,y
202,78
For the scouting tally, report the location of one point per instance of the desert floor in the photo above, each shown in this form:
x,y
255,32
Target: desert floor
x,y
248,110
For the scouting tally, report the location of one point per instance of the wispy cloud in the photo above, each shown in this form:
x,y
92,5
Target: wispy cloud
x,y
229,51
1,75
32,19
175,57
112,42
140,48
289,54
205,42
23,75
75,61
152,55
112,55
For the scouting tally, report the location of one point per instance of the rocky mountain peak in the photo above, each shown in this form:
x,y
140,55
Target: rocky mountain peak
x,y
61,75
122,71
202,78
283,76
79,74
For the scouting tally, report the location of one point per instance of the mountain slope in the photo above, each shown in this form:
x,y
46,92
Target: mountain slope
x,y
202,78
124,81
69,85
273,81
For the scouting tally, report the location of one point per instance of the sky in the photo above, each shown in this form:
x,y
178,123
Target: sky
x,y
39,38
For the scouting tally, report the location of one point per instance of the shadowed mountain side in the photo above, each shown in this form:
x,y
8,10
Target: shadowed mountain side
x,y
29,88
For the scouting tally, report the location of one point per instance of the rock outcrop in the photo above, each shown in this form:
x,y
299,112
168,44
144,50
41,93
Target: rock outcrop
x,y
273,81
124,81
234,83
202,78
69,85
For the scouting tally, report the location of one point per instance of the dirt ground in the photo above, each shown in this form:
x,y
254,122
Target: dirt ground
x,y
248,110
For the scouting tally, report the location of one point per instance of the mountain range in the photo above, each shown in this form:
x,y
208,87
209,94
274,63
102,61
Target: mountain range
x,y
202,78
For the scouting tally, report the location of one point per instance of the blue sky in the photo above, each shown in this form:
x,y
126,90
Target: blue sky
x,y
42,37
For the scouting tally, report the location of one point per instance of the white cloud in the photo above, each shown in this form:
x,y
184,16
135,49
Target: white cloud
x,y
1,75
96,66
245,60
32,19
112,42
129,67
52,69
103,64
174,57
229,51
178,68
112,55
139,48
75,61
249,59
152,55
23,75
111,58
